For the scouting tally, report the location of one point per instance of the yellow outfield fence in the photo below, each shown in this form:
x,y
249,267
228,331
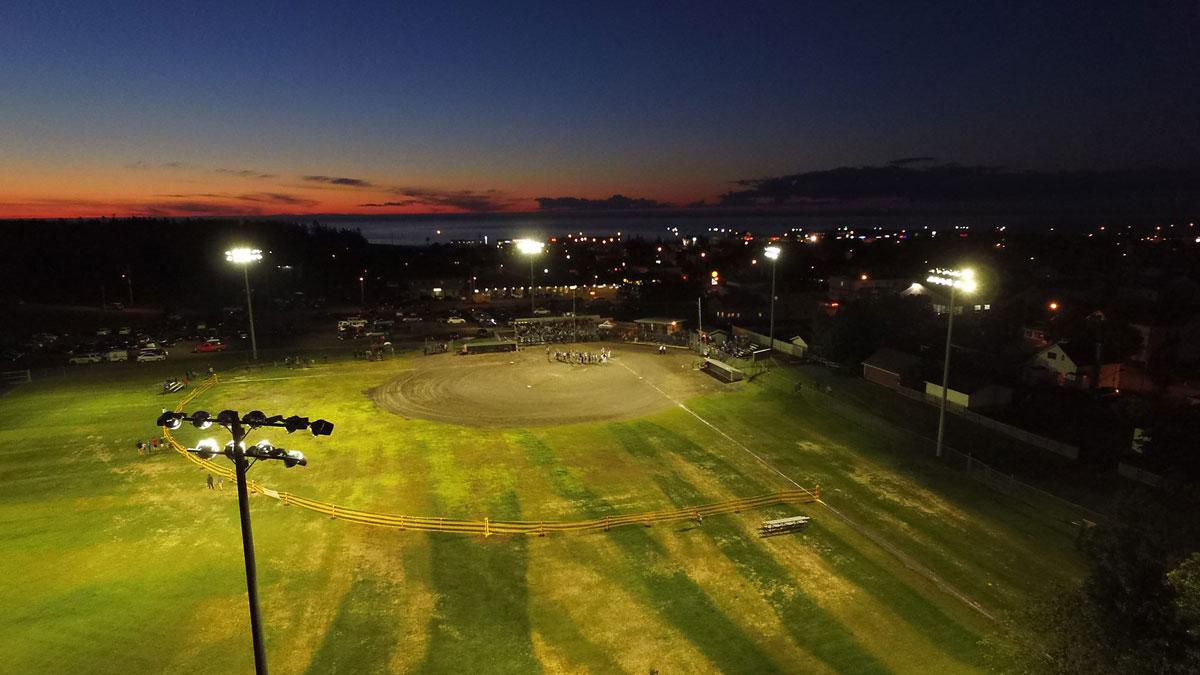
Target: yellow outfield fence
x,y
488,527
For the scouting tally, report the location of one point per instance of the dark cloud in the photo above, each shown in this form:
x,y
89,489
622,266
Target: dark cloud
x,y
257,197
983,185
140,165
467,200
407,202
245,173
195,208
351,182
613,203
175,165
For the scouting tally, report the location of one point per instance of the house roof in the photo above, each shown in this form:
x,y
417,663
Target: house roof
x,y
892,361
660,321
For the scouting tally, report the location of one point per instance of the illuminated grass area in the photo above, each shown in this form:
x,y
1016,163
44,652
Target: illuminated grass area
x,y
125,563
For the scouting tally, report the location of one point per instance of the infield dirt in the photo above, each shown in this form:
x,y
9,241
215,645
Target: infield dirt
x,y
525,388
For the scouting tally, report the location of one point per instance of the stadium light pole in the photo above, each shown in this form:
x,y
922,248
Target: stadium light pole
x,y
958,280
245,256
772,252
530,248
573,318
236,450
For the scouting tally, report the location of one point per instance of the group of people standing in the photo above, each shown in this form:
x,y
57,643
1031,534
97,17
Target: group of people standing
x,y
584,358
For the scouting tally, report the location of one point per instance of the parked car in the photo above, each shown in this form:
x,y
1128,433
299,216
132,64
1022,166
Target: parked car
x,y
11,355
456,319
102,332
151,355
124,330
117,355
210,346
89,357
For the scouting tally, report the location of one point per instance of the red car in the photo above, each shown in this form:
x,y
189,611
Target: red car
x,y
210,346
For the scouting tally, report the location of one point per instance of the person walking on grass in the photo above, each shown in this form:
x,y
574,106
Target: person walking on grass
x,y
220,482
210,481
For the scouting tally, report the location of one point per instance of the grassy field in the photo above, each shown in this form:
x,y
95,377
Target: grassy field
x,y
115,562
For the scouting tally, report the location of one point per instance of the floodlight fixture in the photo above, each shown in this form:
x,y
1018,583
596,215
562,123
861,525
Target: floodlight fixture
x,y
170,420
201,419
293,457
772,252
529,246
321,428
227,418
961,280
243,255
295,423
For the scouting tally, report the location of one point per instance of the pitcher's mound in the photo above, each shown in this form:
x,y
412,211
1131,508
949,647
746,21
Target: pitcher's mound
x,y
518,389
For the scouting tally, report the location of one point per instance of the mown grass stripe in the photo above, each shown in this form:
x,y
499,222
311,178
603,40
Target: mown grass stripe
x,y
675,596
811,627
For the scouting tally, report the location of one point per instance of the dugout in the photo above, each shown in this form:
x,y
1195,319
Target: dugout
x,y
488,346
722,371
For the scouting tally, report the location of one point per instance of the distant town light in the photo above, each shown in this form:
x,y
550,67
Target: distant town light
x,y
1054,307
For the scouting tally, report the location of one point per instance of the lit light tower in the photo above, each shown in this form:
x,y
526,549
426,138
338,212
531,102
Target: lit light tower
x,y
958,280
236,450
772,252
530,248
245,256
573,317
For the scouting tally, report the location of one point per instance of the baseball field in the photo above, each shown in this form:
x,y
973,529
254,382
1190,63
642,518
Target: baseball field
x,y
118,561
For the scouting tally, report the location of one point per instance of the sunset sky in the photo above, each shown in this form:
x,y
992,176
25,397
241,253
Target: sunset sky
x,y
296,107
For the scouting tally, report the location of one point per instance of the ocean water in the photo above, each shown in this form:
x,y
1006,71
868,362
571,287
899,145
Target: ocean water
x,y
420,230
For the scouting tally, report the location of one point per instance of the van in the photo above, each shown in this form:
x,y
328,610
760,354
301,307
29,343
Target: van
x,y
116,355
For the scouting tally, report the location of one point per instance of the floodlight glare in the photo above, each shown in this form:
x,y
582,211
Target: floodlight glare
x,y
201,419
243,255
529,246
207,448
294,457
264,446
771,252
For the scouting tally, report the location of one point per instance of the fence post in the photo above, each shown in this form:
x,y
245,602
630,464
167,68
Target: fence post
x,y
487,528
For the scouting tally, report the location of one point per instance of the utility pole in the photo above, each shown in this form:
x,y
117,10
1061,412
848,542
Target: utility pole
x,y
945,376
129,280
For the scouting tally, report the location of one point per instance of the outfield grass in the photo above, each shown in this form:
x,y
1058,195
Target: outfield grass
x,y
115,562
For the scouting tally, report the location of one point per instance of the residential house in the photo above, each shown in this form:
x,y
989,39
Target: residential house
x,y
971,393
1072,364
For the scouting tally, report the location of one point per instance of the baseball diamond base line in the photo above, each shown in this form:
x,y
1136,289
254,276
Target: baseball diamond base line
x,y
488,527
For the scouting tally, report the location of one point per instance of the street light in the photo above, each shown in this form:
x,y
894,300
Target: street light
x,y
530,248
958,280
236,450
772,252
245,256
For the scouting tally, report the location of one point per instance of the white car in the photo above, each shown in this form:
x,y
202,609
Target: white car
x,y
151,355
91,357
456,319
103,331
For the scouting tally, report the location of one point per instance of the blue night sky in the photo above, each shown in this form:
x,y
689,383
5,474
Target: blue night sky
x,y
320,107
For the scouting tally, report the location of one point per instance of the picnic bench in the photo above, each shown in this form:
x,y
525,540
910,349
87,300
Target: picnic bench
x,y
772,528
